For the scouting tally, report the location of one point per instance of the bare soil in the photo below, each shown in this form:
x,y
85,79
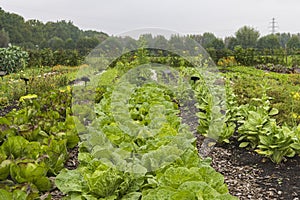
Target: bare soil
x,y
251,176
7,109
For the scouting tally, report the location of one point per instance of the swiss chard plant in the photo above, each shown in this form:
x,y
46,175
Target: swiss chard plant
x,y
259,131
256,120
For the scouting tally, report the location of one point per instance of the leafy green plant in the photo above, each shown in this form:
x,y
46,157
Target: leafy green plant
x,y
189,183
256,121
277,144
16,194
12,59
259,130
247,84
187,177
34,142
215,120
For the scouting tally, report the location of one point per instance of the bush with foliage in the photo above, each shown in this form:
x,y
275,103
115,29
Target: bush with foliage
x,y
48,57
13,59
227,61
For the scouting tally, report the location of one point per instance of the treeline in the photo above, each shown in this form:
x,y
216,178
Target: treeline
x,y
62,42
245,48
248,37
34,34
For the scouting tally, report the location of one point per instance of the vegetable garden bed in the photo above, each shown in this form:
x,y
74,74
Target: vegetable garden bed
x,y
47,124
248,175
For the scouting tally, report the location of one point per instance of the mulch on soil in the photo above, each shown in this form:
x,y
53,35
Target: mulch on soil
x,y
247,174
251,176
7,109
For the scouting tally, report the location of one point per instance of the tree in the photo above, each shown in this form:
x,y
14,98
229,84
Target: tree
x,y
160,42
230,42
217,44
4,39
14,25
192,46
111,47
70,44
293,42
145,40
197,38
34,33
176,44
207,39
56,43
129,43
268,42
37,32
86,44
247,37
94,34
283,39
61,29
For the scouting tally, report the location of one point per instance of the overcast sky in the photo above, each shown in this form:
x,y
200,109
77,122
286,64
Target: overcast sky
x,y
222,17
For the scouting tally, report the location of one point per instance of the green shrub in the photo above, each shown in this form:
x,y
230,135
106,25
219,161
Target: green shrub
x,y
47,57
13,59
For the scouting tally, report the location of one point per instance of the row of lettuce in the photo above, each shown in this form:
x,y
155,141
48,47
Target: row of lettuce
x,y
138,148
34,144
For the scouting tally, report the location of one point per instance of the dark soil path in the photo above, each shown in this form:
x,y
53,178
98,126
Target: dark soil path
x,y
247,174
250,176
7,109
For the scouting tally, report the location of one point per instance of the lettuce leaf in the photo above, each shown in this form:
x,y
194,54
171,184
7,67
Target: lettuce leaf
x,y
162,193
4,169
70,181
5,195
14,146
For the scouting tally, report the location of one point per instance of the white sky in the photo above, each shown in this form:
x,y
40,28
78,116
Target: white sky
x,y
222,17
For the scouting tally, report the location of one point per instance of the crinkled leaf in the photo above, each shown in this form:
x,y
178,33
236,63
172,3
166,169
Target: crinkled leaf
x,y
159,193
19,195
4,169
43,184
183,195
132,196
174,177
5,195
70,181
14,146
27,172
103,183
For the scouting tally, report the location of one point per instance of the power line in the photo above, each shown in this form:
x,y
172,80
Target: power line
x,y
274,26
